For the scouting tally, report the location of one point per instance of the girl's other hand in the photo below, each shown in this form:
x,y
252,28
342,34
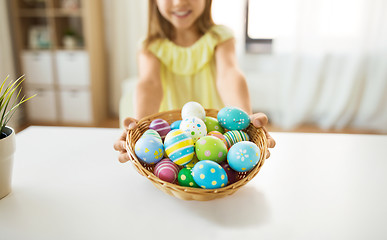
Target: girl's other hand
x,y
120,144
260,120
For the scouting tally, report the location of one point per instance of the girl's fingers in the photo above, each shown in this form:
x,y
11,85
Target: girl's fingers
x,y
130,123
120,145
267,154
270,141
123,157
259,119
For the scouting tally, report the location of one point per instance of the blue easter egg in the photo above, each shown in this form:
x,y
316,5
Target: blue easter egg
x,y
243,156
233,118
149,149
175,124
209,174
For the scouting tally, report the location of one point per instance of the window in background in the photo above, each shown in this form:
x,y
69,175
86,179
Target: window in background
x,y
266,21
335,22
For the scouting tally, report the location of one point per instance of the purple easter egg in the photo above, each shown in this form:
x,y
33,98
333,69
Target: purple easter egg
x,y
161,126
231,174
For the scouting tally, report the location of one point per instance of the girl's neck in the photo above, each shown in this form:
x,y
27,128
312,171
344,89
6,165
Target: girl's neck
x,y
187,37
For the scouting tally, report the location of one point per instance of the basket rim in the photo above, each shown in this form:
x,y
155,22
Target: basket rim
x,y
191,190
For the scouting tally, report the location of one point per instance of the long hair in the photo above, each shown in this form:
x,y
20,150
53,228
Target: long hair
x,y
159,27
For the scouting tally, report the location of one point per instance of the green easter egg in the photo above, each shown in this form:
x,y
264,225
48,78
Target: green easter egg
x,y
212,124
185,178
211,148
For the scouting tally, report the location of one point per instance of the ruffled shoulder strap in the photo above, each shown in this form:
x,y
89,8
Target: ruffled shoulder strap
x,y
189,60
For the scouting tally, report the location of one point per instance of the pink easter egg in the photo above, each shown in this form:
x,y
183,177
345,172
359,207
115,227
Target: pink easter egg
x,y
161,126
218,135
167,170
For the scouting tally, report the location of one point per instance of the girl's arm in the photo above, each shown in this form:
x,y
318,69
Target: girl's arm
x,y
147,98
230,81
232,85
149,89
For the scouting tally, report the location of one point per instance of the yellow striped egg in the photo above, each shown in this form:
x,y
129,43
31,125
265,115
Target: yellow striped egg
x,y
179,147
235,136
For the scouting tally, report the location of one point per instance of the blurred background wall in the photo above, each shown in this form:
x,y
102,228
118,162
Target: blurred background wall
x,y
319,62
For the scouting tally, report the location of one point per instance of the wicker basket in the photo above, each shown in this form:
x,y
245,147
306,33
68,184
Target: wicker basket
x,y
187,193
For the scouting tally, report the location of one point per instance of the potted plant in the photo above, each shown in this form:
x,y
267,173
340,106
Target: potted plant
x,y
8,105
70,39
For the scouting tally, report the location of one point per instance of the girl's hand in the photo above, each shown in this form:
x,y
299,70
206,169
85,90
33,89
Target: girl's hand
x,y
120,144
260,120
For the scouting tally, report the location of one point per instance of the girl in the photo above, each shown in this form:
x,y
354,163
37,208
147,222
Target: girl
x,y
186,57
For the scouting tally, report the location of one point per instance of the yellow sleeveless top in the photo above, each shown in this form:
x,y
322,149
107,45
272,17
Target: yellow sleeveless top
x,y
189,73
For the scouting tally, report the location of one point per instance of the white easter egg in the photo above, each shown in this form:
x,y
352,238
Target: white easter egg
x,y
193,109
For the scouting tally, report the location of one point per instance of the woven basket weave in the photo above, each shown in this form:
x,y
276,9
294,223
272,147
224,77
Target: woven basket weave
x,y
187,193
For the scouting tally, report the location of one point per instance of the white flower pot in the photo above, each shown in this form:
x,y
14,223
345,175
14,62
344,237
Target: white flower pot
x,y
69,42
7,150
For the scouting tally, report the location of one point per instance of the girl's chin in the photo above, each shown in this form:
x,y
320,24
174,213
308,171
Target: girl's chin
x,y
182,25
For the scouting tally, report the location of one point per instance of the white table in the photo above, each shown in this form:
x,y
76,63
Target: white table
x,y
68,184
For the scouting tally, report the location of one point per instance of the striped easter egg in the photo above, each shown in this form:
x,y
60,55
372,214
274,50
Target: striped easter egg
x,y
166,170
235,136
179,147
218,135
161,126
153,133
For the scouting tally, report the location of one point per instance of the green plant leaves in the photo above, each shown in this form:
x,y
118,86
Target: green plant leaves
x,y
7,106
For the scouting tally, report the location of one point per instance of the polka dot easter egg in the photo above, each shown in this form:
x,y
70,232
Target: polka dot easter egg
x,y
193,109
235,136
175,125
212,124
243,156
209,174
149,149
166,170
233,118
186,179
195,127
153,133
179,147
211,148
161,126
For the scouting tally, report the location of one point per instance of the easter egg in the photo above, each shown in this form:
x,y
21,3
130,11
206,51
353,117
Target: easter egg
x,y
194,127
232,175
186,179
209,174
175,124
193,109
211,148
179,147
243,156
166,170
192,163
235,136
233,118
218,135
149,149
212,124
161,126
153,133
